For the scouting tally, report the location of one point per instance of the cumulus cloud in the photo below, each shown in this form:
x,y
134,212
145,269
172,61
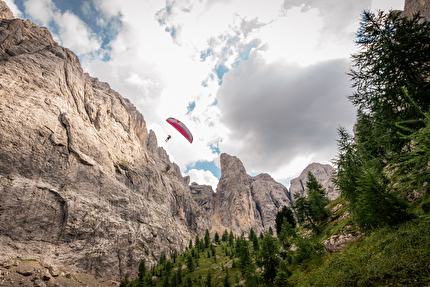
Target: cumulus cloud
x,y
203,177
72,32
277,112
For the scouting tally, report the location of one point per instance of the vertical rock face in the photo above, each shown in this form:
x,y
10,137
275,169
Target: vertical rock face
x,y
5,12
413,6
243,201
83,186
323,173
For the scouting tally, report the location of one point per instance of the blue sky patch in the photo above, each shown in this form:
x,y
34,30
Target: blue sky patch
x,y
103,29
191,107
206,165
204,55
220,70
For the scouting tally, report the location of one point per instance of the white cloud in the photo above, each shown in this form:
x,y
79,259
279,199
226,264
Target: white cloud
x,y
203,177
277,110
40,10
73,33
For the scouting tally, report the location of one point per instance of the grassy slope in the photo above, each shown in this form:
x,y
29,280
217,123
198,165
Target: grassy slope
x,y
390,256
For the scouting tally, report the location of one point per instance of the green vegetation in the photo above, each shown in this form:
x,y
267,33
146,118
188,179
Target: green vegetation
x,y
383,175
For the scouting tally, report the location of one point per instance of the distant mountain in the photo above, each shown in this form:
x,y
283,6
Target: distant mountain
x,y
323,173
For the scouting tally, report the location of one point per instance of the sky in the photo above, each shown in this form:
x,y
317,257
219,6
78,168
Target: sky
x,y
263,80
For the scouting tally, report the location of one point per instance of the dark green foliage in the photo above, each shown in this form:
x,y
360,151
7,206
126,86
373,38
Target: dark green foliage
x,y
255,243
231,238
312,207
216,238
163,258
197,242
281,279
207,239
251,234
208,281
426,207
377,206
287,213
190,262
174,256
225,236
226,282
410,169
268,258
395,53
142,270
286,235
189,282
168,268
270,230
305,250
125,281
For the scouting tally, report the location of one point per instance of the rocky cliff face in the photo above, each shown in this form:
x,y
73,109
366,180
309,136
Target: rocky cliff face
x,y
243,201
83,185
412,6
323,173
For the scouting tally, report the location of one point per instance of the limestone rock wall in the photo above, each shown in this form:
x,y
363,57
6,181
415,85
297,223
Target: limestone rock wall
x,y
323,173
243,201
412,6
83,186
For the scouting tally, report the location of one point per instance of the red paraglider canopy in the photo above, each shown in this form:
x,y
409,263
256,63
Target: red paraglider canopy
x,y
181,128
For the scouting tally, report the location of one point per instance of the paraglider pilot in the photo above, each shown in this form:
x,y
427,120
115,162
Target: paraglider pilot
x,y
168,138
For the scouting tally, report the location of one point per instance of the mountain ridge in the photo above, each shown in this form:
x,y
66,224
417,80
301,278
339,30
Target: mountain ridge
x,y
84,187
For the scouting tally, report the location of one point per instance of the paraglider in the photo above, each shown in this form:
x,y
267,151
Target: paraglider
x,y
180,127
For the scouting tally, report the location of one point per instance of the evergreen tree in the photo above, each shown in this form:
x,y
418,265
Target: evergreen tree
x,y
225,236
125,281
163,258
142,271
168,268
207,239
231,238
312,208
286,235
226,280
208,281
287,213
190,245
190,263
197,242
251,234
395,53
216,238
269,259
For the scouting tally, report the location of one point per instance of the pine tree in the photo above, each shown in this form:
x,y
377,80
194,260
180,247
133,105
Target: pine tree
x,y
216,238
287,213
142,271
225,236
207,239
269,259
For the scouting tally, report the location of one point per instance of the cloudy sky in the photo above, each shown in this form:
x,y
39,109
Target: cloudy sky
x,y
262,80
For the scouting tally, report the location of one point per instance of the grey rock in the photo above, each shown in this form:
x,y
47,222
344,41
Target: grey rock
x,y
25,271
244,202
323,173
5,12
83,185
412,6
